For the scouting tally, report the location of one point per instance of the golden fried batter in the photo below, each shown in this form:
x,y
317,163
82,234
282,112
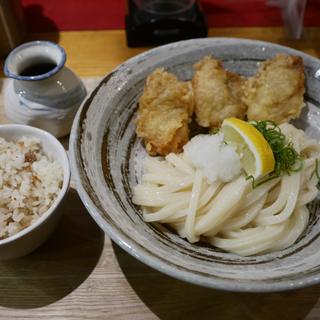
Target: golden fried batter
x,y
165,109
165,129
217,93
276,91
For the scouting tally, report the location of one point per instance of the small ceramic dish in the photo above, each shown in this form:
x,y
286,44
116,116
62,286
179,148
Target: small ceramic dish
x,y
34,235
106,162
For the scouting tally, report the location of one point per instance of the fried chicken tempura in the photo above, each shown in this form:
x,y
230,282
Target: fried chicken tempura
x,y
217,93
276,91
165,109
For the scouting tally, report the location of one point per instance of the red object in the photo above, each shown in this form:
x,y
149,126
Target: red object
x,y
232,13
50,15
53,15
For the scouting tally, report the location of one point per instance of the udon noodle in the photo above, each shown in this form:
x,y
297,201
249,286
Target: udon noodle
x,y
232,216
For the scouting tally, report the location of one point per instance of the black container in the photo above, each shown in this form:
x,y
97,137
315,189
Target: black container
x,y
162,22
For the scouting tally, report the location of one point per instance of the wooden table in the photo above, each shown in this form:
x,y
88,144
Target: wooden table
x,y
80,274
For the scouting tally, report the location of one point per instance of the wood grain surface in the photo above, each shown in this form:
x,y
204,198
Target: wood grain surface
x,y
80,274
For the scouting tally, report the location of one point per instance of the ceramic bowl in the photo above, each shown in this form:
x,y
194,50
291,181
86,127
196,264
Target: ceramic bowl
x,y
106,163
34,235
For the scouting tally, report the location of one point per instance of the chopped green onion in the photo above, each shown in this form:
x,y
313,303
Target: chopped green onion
x,y
316,171
214,130
287,159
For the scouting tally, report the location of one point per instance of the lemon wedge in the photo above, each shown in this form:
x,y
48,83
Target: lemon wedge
x,y
256,155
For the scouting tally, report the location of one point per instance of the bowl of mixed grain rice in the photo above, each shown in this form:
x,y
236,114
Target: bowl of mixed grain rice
x,y
34,178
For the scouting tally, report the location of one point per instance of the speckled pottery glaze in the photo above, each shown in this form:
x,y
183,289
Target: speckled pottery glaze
x,y
106,163
48,101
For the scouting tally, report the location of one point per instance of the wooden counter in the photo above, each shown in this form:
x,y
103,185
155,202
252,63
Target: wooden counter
x,y
80,274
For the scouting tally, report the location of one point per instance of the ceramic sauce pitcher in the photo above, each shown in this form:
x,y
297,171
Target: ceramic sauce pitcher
x,y
42,91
